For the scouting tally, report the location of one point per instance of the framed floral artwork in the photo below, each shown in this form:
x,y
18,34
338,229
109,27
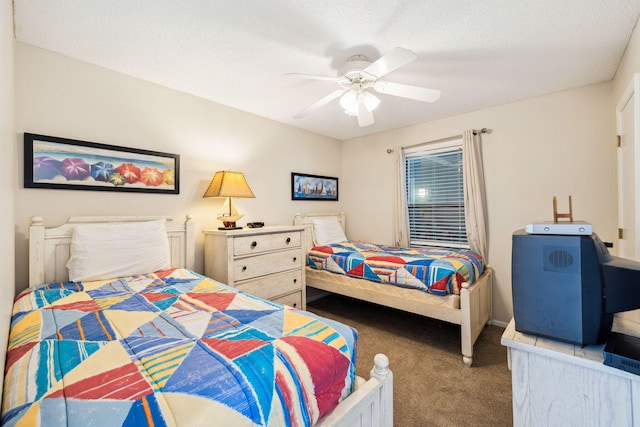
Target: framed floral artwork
x,y
69,164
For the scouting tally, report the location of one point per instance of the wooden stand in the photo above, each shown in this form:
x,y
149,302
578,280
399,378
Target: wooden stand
x,y
557,215
559,384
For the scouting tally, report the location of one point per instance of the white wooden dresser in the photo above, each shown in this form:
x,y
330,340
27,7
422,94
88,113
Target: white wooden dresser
x,y
267,262
559,384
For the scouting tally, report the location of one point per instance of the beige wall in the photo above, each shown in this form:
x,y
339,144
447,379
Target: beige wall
x,y
62,97
629,65
560,144
7,162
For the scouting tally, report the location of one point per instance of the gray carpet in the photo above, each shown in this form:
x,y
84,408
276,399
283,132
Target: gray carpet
x,y
431,385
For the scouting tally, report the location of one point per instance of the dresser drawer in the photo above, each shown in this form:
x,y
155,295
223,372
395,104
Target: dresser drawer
x,y
269,263
246,245
273,286
292,300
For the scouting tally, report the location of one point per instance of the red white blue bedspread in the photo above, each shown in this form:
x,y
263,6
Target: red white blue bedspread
x,y
170,348
439,271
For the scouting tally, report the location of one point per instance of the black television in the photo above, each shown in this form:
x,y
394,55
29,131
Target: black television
x,y
568,287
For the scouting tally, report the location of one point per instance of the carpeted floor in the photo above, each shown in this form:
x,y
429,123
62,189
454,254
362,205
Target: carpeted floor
x,y
431,385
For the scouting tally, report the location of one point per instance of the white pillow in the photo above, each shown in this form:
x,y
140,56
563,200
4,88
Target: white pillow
x,y
105,251
327,231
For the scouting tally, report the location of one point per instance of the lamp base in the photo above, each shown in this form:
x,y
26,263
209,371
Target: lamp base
x,y
229,225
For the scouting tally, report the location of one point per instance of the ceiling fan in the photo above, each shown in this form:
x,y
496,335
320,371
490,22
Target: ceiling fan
x,y
359,75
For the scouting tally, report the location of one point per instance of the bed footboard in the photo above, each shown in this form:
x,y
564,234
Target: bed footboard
x,y
475,311
371,404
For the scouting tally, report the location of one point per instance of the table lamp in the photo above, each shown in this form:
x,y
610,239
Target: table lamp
x,y
229,184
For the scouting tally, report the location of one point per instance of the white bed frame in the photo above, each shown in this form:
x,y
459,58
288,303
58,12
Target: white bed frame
x,y
371,403
475,301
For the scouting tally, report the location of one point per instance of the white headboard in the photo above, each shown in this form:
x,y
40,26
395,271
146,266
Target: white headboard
x,y
49,247
307,221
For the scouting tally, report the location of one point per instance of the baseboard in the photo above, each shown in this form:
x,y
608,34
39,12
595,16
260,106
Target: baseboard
x,y
498,323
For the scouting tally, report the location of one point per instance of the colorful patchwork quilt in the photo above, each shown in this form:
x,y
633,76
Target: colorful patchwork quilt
x,y
172,348
439,271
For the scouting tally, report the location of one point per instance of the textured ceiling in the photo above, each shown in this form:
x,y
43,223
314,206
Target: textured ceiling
x,y
479,53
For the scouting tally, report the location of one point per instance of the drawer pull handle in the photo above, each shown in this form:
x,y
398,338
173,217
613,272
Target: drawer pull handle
x,y
295,259
295,280
295,304
244,268
288,240
254,244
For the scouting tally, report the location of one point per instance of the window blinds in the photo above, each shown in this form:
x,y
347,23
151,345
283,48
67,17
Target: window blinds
x,y
435,195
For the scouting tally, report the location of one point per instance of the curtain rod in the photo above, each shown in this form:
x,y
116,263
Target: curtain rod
x,y
475,132
479,131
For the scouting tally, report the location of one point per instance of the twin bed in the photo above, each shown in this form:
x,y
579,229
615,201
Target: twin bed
x,y
142,345
457,287
151,342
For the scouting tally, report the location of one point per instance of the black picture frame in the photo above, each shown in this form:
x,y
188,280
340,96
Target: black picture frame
x,y
68,164
305,186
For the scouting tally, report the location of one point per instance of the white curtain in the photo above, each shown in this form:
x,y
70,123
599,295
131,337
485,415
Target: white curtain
x,y
401,229
475,204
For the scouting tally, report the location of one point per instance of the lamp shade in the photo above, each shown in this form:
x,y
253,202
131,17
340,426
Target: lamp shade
x,y
229,184
370,101
351,100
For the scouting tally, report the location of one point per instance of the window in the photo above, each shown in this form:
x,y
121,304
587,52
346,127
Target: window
x,y
435,194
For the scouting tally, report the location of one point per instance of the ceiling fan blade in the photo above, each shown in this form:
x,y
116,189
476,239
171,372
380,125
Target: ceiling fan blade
x,y
406,91
314,77
365,117
322,102
392,60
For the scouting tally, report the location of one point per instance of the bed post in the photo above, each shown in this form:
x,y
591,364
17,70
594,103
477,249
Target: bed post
x,y
36,251
381,372
466,325
475,312
190,247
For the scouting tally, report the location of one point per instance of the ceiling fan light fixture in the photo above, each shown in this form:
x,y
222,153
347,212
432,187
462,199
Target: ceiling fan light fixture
x,y
349,101
371,101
